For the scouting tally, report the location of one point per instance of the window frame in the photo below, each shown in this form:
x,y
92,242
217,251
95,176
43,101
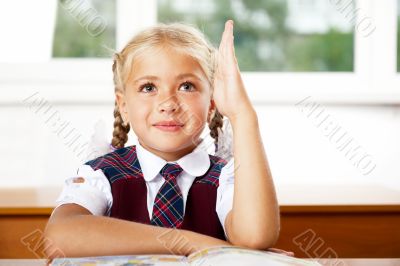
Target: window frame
x,y
375,79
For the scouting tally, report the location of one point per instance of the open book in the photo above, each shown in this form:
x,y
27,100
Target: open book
x,y
231,256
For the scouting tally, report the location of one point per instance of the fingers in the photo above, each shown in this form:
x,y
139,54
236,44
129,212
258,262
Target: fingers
x,y
226,49
280,251
230,48
227,37
223,38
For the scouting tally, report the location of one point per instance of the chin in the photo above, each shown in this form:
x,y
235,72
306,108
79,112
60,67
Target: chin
x,y
169,141
170,144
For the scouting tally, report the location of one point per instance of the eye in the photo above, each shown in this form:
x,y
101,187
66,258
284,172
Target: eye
x,y
147,87
188,86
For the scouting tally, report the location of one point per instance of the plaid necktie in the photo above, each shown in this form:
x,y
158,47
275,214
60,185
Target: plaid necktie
x,y
168,204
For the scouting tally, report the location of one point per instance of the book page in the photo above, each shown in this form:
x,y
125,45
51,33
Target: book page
x,y
143,260
234,256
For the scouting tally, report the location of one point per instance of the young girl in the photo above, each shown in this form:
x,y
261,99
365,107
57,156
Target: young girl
x,y
170,82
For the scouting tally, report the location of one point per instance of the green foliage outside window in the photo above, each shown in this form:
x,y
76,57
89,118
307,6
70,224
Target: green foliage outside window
x,y
84,28
269,45
273,46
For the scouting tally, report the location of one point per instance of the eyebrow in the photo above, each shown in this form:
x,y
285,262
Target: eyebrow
x,y
180,76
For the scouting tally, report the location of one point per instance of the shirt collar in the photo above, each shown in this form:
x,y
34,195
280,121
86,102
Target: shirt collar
x,y
195,163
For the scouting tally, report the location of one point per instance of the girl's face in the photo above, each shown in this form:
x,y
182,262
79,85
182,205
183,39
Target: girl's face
x,y
166,88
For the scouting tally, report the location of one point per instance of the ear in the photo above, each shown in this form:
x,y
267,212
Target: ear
x,y
211,111
122,105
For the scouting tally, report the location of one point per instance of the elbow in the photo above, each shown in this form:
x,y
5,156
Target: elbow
x,y
257,240
261,242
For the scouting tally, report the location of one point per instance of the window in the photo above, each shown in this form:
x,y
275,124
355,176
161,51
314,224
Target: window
x,y
84,28
287,35
338,51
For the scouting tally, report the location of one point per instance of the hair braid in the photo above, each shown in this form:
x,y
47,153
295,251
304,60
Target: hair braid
x,y
120,133
215,123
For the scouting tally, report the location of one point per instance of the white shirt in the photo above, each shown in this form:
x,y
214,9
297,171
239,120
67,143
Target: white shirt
x,y
95,195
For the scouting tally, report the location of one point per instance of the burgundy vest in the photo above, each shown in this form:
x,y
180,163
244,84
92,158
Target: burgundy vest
x,y
129,192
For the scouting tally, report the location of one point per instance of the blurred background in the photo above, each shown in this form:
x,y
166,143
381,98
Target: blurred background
x,y
294,54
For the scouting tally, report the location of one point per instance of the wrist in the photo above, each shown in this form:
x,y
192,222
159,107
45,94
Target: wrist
x,y
189,243
184,242
174,241
247,115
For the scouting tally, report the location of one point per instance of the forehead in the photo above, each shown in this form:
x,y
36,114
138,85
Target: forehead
x,y
165,62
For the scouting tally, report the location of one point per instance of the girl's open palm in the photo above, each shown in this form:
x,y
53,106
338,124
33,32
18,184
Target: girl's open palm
x,y
229,94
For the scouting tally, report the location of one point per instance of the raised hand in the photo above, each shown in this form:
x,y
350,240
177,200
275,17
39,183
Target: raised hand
x,y
229,94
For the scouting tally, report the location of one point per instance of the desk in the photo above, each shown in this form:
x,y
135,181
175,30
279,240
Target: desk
x,y
328,262
354,222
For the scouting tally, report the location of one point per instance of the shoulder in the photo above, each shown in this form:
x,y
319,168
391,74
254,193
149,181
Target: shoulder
x,y
228,172
225,167
217,162
215,172
118,158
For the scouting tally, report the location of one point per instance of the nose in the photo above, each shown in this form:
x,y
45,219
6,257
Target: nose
x,y
169,105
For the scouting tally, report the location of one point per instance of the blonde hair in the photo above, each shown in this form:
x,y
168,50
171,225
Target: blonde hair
x,y
182,37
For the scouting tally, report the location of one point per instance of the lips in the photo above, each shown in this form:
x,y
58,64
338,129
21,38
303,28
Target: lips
x,y
169,126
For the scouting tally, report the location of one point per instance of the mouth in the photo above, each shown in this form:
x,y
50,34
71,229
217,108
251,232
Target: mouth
x,y
169,126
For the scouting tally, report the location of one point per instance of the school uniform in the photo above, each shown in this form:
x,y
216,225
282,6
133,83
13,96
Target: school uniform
x,y
126,184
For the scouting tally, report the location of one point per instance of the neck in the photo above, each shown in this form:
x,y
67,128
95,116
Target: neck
x,y
173,155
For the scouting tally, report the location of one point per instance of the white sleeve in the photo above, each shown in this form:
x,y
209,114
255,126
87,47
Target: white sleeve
x,y
93,192
225,192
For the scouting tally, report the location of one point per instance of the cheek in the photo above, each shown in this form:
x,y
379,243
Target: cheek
x,y
138,111
195,112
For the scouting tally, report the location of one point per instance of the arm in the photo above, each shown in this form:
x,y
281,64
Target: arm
x,y
73,231
254,218
257,224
